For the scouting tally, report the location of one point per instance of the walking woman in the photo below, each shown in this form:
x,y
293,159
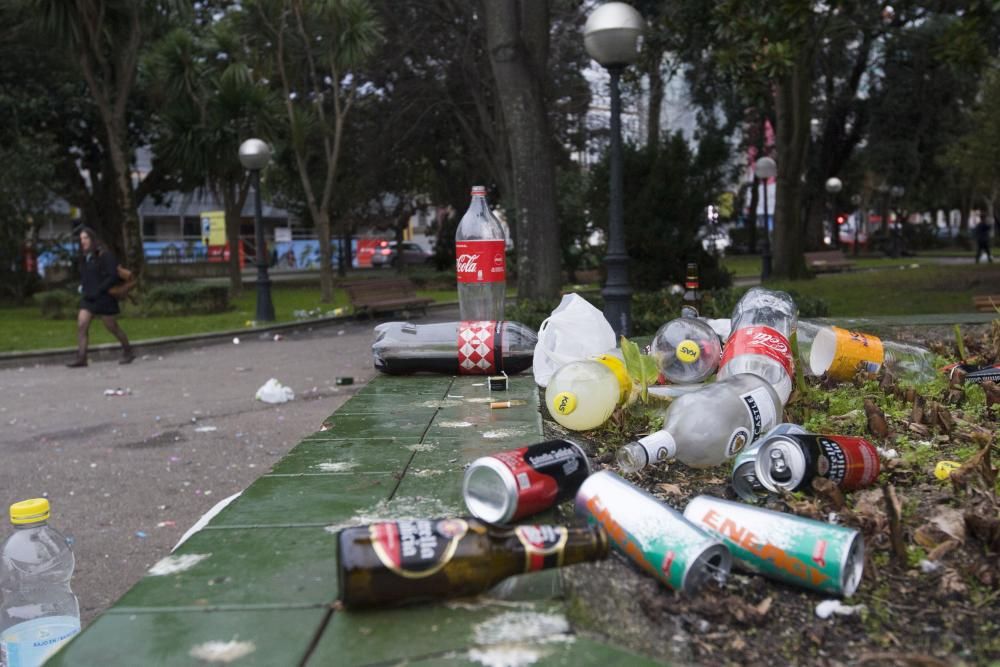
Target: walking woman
x,y
98,273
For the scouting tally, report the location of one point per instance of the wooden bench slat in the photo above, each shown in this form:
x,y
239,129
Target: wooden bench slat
x,y
827,260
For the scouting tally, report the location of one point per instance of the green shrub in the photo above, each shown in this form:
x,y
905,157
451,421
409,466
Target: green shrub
x,y
58,304
810,306
186,299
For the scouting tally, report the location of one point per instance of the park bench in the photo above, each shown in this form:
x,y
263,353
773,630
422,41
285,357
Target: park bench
x,y
986,303
379,296
827,261
260,579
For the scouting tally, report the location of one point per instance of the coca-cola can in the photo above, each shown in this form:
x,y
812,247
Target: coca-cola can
x,y
793,549
510,485
654,536
790,462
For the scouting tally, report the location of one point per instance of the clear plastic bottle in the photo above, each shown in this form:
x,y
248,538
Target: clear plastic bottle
x,y
686,350
582,394
708,426
840,352
39,612
481,261
466,348
762,323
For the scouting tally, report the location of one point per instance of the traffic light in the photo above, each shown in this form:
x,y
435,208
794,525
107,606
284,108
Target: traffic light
x,y
841,219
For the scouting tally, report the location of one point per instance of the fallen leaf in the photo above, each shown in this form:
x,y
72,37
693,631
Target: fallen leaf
x,y
951,582
670,489
986,529
941,550
828,490
764,606
895,512
877,424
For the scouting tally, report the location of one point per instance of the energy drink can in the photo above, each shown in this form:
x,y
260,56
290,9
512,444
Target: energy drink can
x,y
654,536
744,479
790,462
786,547
513,484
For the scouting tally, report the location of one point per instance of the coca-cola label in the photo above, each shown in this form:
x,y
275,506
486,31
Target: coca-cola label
x,y
545,474
481,261
850,462
543,546
416,549
476,353
760,340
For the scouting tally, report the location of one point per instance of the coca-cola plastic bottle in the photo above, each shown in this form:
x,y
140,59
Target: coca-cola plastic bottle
x,y
708,426
481,259
464,348
762,323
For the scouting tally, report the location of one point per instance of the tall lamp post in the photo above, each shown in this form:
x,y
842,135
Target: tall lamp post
x,y
254,156
611,37
896,192
833,186
765,169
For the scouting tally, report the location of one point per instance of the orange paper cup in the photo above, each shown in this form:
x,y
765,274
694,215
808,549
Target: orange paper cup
x,y
839,353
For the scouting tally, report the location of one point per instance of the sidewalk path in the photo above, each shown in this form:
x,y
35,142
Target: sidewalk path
x,y
127,475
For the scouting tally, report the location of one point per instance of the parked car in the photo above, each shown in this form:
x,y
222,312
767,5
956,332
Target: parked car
x,y
386,254
714,239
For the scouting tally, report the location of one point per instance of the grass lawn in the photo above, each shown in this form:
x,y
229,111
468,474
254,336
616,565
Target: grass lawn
x,y
24,329
928,289
746,266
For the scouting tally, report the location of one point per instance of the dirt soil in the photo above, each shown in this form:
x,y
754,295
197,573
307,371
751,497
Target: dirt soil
x,y
930,594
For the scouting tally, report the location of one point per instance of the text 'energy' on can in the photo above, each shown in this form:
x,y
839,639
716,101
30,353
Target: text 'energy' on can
x,y
654,536
517,483
790,462
744,478
793,549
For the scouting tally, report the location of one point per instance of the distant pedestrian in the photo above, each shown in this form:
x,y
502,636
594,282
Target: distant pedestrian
x,y
98,273
983,241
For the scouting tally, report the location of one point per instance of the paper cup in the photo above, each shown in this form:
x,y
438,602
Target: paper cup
x,y
839,352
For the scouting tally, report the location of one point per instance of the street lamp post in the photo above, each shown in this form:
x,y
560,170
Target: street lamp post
x,y
254,156
896,192
833,186
611,37
765,169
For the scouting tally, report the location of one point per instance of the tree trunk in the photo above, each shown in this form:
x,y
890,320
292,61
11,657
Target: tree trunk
x,y
325,256
792,101
656,84
752,217
511,27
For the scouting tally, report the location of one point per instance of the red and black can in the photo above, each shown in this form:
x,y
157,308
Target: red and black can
x,y
790,461
509,485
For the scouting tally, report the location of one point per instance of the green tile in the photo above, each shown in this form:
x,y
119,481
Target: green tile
x,y
261,566
382,385
385,636
314,499
166,639
402,424
347,456
575,652
387,403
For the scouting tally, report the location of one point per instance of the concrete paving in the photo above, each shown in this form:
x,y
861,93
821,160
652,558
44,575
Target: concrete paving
x,y
127,475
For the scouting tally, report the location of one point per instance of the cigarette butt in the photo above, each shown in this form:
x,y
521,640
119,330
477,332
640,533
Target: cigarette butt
x,y
503,405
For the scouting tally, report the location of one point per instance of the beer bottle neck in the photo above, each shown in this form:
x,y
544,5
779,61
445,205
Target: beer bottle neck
x,y
543,547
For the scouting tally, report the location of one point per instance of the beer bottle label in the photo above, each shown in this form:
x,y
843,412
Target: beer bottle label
x,y
417,548
543,546
850,462
476,343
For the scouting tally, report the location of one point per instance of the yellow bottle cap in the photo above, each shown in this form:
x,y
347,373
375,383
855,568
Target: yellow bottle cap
x,y
29,511
617,367
944,469
687,351
564,403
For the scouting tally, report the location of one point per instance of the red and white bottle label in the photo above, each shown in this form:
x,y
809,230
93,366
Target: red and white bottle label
x,y
476,355
481,261
760,340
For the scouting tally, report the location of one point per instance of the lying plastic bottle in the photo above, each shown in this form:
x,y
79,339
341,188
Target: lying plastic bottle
x,y
840,353
582,394
708,426
465,348
686,350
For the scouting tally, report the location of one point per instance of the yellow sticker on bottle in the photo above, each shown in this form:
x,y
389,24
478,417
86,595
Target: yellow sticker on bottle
x,y
564,403
687,351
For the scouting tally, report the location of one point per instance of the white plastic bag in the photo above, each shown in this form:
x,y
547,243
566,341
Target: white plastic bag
x,y
575,330
273,391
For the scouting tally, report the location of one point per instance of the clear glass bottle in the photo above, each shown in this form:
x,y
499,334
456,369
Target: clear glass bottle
x,y
481,261
39,612
708,426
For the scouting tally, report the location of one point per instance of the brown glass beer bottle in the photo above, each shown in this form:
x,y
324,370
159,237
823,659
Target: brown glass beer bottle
x,y
419,559
691,301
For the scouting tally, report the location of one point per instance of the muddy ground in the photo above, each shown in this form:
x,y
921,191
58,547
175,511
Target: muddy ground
x,y
930,594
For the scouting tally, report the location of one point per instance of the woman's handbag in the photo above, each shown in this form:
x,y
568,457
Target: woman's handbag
x,y
128,282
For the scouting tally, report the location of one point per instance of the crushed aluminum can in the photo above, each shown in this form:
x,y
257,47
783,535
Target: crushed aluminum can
x,y
654,536
790,548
